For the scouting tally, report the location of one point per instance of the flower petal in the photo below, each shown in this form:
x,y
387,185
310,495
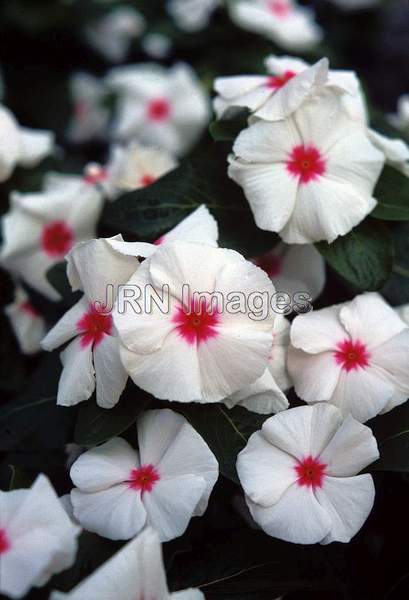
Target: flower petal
x,y
77,381
110,374
66,327
315,376
317,331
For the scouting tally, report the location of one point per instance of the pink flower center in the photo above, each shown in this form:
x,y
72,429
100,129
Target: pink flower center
x,y
352,355
28,309
278,81
279,8
271,264
57,238
311,472
306,163
159,109
93,326
5,544
196,323
160,240
95,174
81,109
144,478
147,180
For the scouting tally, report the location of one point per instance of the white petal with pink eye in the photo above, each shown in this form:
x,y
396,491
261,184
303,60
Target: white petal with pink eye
x,y
352,448
27,323
171,504
104,466
370,319
353,355
77,381
90,113
299,475
66,328
348,501
34,146
159,107
282,21
263,396
168,450
116,512
261,485
110,375
396,151
35,532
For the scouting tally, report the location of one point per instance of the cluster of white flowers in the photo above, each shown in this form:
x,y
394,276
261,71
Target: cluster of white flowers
x,y
309,140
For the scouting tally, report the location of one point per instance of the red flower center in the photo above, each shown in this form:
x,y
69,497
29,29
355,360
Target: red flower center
x,y
352,355
4,542
81,109
311,472
196,323
147,180
57,238
306,163
28,309
95,174
159,109
271,264
279,8
278,81
160,240
143,478
93,326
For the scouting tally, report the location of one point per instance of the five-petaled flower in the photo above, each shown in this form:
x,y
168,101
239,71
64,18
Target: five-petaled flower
x,y
299,475
168,481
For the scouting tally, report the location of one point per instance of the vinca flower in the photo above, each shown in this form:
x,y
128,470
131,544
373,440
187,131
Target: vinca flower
x,y
353,355
135,572
300,475
400,120
90,113
20,145
192,15
27,323
159,107
120,490
311,176
282,21
37,538
195,349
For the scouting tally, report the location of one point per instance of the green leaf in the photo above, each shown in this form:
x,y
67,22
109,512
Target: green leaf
x,y
147,213
392,193
226,130
19,479
363,257
396,290
96,425
57,276
225,431
392,434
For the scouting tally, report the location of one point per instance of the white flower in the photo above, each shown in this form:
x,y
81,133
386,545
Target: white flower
x,y
299,474
156,45
396,151
159,107
311,176
355,4
135,572
37,538
294,269
168,481
20,145
282,21
274,96
265,395
131,167
196,349
192,15
42,227
353,355
403,312
400,120
91,359
27,323
91,116
112,35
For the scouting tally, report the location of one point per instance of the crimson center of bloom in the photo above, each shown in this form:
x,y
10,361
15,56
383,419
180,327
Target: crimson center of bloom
x,y
147,180
196,323
143,478
352,355
306,163
279,8
28,309
311,472
95,174
93,326
4,542
271,264
159,109
278,81
57,238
